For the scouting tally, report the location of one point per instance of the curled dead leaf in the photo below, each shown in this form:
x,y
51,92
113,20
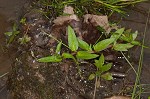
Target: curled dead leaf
x,y
97,20
68,10
62,19
119,97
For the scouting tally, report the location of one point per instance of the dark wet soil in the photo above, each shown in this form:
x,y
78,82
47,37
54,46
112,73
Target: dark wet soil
x,y
10,12
137,19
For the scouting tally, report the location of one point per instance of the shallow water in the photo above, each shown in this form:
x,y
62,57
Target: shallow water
x,y
137,19
4,59
10,11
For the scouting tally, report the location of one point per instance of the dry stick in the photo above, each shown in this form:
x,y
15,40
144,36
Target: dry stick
x,y
4,74
95,88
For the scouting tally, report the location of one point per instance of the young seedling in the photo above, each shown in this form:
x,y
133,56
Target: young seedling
x,y
12,34
101,69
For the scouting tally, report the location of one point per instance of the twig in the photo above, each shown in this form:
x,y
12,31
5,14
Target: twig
x,y
4,74
95,88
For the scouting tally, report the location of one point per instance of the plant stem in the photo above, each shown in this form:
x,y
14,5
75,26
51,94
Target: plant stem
x,y
94,94
54,38
129,63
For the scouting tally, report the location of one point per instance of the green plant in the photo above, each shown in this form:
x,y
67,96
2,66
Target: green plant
x,y
12,34
24,39
102,68
90,6
23,21
80,50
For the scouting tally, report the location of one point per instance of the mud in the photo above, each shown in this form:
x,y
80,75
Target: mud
x,y
32,80
57,80
10,12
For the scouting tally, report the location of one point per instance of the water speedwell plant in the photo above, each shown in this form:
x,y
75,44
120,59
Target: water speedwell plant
x,y
81,50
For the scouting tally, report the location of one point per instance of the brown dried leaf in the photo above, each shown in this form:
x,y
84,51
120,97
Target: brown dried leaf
x,y
68,10
119,97
97,20
40,77
62,19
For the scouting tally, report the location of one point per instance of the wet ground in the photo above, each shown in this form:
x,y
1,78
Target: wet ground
x,y
11,11
137,19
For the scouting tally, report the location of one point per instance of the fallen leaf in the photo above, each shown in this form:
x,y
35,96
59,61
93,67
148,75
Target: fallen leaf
x,y
98,20
119,97
68,10
62,19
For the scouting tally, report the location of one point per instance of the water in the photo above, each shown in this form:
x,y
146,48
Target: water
x,y
137,20
10,11
4,58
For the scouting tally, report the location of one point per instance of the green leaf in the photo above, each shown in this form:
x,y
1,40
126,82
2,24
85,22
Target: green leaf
x,y
134,35
58,48
8,33
125,38
107,76
72,39
54,58
85,55
99,63
106,67
68,55
103,44
136,43
83,45
15,27
23,21
98,73
148,97
122,47
24,39
91,77
14,33
117,34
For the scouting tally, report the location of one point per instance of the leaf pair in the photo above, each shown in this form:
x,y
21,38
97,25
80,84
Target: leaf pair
x,y
125,36
101,69
101,45
101,66
122,47
74,42
12,34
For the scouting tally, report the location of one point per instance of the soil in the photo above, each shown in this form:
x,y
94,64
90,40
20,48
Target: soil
x,y
30,79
